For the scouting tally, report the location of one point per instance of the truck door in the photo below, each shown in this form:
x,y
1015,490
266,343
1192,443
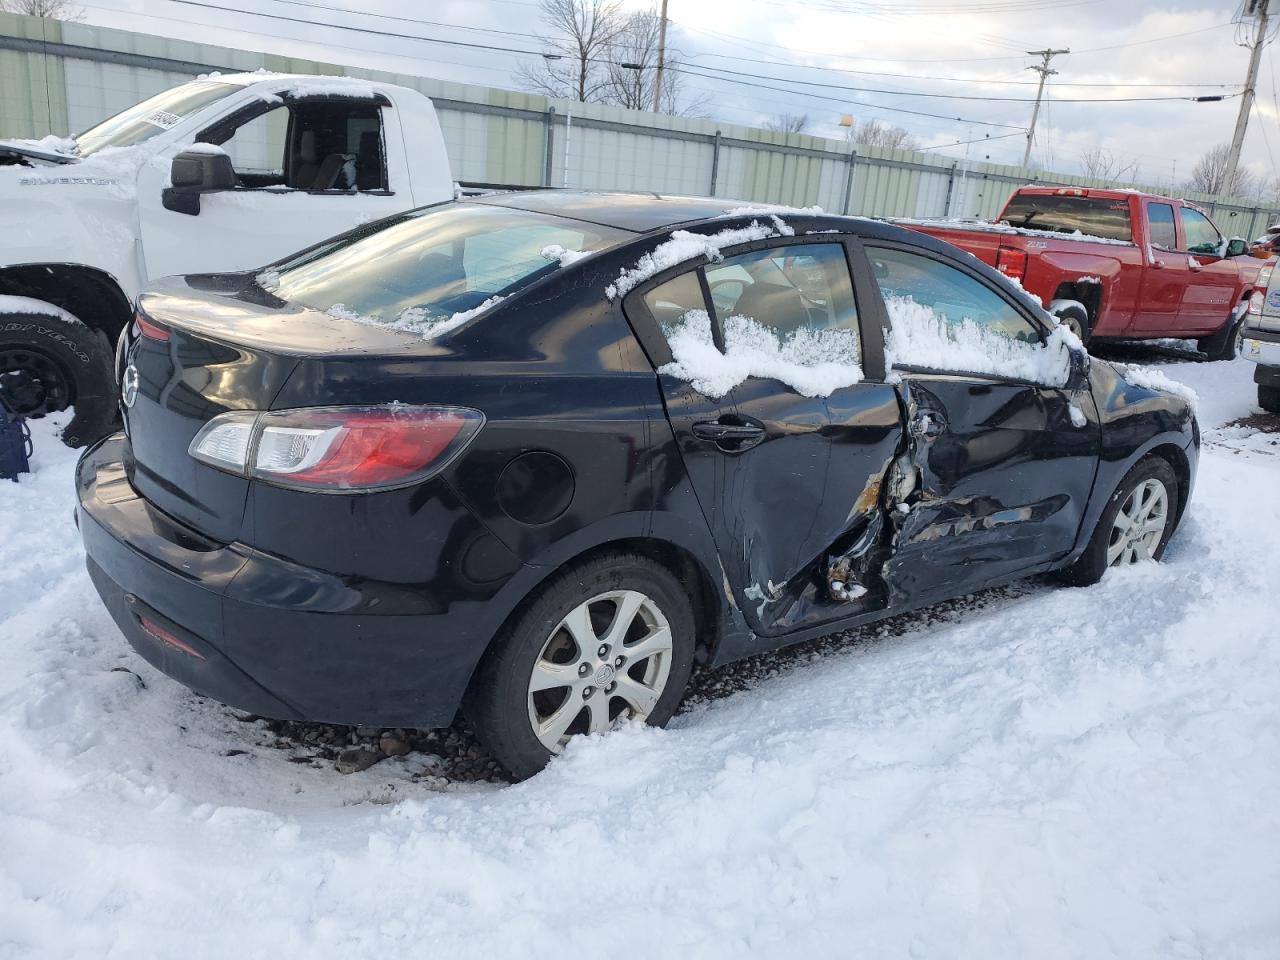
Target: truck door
x,y
307,169
1003,472
1214,280
1165,278
786,487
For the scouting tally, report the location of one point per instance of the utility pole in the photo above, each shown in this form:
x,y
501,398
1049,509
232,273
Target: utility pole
x,y
662,59
1045,74
1259,9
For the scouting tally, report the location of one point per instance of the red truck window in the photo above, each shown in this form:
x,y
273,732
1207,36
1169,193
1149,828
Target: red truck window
x,y
1202,235
1092,216
1163,233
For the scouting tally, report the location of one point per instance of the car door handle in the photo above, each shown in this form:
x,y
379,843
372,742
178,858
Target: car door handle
x,y
729,436
1157,264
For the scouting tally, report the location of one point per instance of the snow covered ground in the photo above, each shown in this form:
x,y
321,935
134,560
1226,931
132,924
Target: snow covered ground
x,y
1038,773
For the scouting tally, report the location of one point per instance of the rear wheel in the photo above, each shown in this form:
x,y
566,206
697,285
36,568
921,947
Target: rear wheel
x,y
1269,398
1075,318
1227,343
49,363
606,641
1135,525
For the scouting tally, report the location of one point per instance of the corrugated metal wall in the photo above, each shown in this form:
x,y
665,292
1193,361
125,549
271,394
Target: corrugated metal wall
x,y
60,77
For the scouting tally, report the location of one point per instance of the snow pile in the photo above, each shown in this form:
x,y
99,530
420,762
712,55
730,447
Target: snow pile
x,y
1036,772
415,320
923,338
554,251
329,87
772,209
268,280
11,305
684,246
1149,379
49,144
812,362
206,149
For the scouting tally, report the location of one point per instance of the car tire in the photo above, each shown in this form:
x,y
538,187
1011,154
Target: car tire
x,y
1075,318
56,362
1098,555
1225,344
547,643
1269,398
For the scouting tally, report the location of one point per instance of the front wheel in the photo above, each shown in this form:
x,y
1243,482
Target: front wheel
x,y
1269,398
1135,525
1074,317
51,362
608,640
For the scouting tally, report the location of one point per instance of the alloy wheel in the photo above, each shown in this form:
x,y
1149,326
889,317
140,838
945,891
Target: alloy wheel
x,y
607,660
1139,526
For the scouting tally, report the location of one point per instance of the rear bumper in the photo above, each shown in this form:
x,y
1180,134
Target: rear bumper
x,y
1263,348
261,633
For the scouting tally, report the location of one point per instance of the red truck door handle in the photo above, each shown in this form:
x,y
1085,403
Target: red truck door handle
x,y
1194,264
1157,264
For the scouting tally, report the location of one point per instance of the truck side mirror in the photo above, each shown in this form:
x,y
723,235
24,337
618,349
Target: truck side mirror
x,y
202,169
1237,248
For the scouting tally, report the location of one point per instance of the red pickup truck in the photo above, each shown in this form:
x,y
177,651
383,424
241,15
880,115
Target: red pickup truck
x,y
1116,263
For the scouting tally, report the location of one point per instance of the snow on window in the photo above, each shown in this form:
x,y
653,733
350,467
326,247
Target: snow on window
x,y
269,280
986,226
684,246
415,320
812,362
923,338
1149,378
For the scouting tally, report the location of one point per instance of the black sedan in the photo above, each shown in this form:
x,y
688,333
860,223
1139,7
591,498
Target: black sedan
x,y
532,456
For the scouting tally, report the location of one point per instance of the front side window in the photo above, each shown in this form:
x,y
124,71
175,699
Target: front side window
x,y
421,268
310,145
943,319
1202,235
1092,216
1164,234
153,117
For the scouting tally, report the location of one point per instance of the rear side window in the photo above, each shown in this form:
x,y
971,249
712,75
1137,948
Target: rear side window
x,y
1163,233
1092,216
1202,235
783,313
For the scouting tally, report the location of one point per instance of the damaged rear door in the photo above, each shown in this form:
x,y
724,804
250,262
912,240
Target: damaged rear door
x,y
789,484
998,466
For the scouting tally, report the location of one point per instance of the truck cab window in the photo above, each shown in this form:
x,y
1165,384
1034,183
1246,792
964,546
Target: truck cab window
x,y
1164,235
1092,216
1202,236
312,145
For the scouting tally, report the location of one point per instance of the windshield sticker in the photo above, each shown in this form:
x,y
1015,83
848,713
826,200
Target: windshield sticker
x,y
163,119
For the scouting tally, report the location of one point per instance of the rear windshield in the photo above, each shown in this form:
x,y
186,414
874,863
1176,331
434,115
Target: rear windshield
x,y
152,117
1094,217
432,264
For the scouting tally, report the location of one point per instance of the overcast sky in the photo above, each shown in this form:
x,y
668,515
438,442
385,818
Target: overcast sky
x,y
924,46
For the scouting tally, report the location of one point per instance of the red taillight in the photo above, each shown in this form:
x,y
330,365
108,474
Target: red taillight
x,y
335,449
1012,262
168,638
1259,299
150,330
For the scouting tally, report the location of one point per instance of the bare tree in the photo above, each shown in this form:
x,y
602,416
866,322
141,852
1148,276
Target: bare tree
x,y
52,9
632,69
874,133
788,123
1210,176
581,33
1104,165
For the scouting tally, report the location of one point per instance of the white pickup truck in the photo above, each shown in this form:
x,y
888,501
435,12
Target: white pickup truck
x,y
222,173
